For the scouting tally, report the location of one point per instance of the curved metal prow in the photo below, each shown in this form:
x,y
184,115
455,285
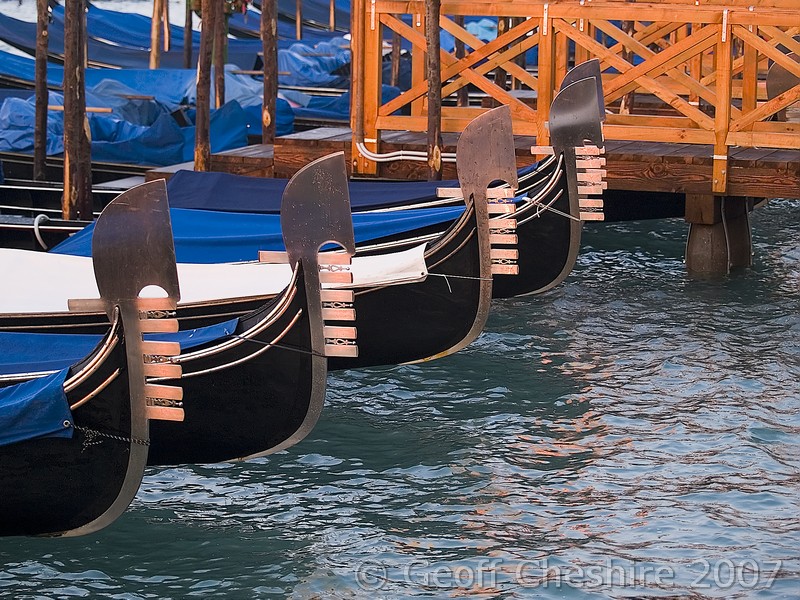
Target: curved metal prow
x,y
132,248
315,210
589,69
132,245
576,132
780,80
575,115
485,151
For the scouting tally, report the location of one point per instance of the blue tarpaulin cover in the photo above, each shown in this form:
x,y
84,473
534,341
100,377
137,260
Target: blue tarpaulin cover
x,y
39,407
210,237
34,409
114,139
22,35
238,193
37,352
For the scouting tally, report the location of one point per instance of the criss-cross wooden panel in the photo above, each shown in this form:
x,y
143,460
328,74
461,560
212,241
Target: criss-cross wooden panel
x,y
673,72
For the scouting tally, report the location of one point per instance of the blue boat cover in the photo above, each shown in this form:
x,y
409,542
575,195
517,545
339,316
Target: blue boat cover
x,y
34,409
219,237
22,35
238,193
161,142
39,407
37,352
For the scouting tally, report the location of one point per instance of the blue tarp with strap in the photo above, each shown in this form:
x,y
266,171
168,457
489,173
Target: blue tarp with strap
x,y
219,237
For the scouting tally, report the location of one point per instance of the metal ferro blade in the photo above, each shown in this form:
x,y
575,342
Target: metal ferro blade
x,y
315,209
780,79
575,116
132,245
132,248
588,70
485,151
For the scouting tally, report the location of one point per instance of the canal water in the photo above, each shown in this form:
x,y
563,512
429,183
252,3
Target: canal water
x,y
631,433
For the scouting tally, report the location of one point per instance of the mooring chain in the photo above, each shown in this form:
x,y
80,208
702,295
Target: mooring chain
x,y
94,437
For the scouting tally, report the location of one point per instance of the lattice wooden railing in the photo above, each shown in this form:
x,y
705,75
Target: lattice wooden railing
x,y
696,74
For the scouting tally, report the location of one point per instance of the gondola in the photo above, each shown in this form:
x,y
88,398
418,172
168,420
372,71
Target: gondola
x,y
398,324
548,208
256,384
74,442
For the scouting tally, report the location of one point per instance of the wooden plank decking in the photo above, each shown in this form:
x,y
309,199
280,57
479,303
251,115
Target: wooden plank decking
x,y
637,166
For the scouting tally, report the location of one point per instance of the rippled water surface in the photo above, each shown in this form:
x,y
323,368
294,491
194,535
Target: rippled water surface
x,y
631,433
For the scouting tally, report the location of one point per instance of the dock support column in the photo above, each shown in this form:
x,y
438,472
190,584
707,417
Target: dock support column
x,y
719,234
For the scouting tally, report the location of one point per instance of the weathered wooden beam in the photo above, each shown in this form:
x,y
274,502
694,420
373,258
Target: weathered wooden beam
x,y
40,76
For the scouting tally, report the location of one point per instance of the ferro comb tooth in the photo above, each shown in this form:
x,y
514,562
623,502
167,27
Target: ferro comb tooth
x,y
502,238
164,413
273,257
346,296
338,314
335,277
163,392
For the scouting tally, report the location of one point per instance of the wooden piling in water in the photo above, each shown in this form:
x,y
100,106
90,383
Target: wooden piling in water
x,y
202,144
155,34
77,200
269,47
434,78
40,76
187,36
220,51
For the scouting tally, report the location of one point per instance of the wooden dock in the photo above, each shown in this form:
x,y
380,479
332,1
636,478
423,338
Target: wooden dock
x,y
631,165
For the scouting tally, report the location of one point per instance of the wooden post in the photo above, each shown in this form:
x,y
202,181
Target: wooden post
x,y
40,127
500,75
155,34
626,103
544,96
722,111
269,46
77,200
202,144
749,81
396,42
719,234
434,77
332,16
165,24
220,50
462,96
298,19
187,36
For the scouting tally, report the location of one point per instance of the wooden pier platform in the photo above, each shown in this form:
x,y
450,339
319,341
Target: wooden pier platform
x,y
632,166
